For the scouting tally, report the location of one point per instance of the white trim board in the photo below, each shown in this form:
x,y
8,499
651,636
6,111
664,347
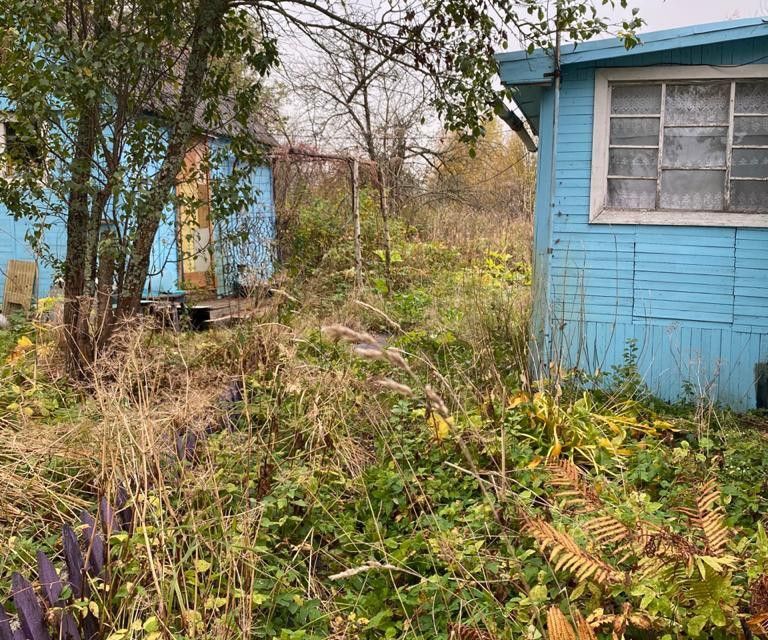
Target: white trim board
x,y
598,213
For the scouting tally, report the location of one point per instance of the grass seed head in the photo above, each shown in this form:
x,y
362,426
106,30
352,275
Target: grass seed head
x,y
345,334
392,385
435,401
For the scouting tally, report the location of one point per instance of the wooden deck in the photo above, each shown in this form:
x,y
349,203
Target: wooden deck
x,y
209,313
202,314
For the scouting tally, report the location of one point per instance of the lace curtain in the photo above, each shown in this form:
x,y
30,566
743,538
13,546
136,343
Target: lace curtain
x,y
693,170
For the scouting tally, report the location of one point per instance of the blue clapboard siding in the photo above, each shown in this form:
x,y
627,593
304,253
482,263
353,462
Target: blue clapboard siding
x,y
694,298
245,241
13,246
163,274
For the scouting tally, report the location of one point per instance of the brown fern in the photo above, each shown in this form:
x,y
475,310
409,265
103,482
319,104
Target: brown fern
x,y
758,602
579,496
583,630
576,492
665,556
758,625
458,631
758,606
619,622
607,530
565,554
709,518
558,627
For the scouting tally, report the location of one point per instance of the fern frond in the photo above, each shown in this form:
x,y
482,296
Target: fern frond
x,y
583,630
572,487
701,593
758,591
566,555
458,631
665,556
618,622
759,625
558,627
607,530
709,518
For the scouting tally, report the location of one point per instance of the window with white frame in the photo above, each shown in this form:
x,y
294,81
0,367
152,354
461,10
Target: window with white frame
x,y
680,146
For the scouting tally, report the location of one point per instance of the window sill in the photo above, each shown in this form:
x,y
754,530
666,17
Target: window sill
x,y
679,218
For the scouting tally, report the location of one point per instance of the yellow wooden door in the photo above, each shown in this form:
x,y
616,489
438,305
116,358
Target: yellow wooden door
x,y
193,185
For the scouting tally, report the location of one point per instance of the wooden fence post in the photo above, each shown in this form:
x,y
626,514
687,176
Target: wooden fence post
x,y
356,218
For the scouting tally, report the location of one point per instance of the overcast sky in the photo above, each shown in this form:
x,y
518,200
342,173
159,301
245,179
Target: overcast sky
x,y
665,14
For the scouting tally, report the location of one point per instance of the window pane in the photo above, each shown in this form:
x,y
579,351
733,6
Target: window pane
x,y
692,190
750,130
636,98
635,131
633,162
695,146
702,103
751,97
631,194
749,163
748,195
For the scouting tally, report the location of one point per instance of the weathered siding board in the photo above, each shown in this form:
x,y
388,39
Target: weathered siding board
x,y
257,223
694,298
13,246
751,283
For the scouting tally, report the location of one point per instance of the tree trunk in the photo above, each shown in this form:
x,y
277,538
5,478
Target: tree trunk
x,y
210,14
76,305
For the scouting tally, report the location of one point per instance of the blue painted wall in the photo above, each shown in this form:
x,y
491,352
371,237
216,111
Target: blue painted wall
x,y
253,256
164,264
694,298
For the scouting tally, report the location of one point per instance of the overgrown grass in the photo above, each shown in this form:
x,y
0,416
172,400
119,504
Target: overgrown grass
x,y
358,498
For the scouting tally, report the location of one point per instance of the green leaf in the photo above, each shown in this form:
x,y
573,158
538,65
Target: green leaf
x,y
151,624
201,566
696,625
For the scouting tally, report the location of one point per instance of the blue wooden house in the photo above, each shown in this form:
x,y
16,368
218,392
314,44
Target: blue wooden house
x,y
191,250
651,221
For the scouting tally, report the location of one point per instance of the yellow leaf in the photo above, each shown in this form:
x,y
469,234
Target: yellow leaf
x,y
535,462
24,343
554,452
440,426
518,399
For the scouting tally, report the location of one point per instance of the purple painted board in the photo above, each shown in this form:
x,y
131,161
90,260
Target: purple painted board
x,y
108,517
95,551
52,587
90,628
124,511
5,626
190,445
49,580
30,612
74,559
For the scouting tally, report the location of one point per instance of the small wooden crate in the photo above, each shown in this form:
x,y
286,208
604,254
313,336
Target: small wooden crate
x,y
20,278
